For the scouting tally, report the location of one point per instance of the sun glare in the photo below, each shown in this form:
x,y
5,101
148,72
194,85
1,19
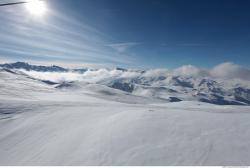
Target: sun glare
x,y
36,7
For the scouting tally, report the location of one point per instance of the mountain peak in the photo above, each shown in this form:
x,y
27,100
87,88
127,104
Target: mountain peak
x,y
28,67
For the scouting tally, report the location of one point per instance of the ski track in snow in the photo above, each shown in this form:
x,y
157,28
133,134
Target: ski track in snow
x,y
41,125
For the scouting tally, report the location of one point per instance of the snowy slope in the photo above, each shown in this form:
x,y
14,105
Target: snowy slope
x,y
89,123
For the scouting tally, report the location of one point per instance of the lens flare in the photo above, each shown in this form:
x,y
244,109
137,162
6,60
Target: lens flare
x,y
36,7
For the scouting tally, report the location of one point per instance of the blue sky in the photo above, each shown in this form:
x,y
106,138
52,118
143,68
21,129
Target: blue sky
x,y
129,33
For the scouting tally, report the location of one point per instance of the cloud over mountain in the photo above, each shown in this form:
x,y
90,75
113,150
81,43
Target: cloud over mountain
x,y
222,71
230,71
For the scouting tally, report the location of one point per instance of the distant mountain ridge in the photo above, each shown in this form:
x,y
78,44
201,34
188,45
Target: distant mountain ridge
x,y
28,67
150,83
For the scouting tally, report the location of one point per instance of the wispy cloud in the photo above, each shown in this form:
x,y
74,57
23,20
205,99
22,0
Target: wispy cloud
x,y
192,44
123,47
57,36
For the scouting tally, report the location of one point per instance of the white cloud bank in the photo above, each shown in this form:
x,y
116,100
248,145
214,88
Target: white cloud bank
x,y
55,76
225,71
230,71
190,71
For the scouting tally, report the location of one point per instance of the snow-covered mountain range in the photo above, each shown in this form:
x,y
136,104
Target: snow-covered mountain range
x,y
187,83
182,84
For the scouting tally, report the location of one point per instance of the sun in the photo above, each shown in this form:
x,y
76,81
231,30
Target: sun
x,y
36,7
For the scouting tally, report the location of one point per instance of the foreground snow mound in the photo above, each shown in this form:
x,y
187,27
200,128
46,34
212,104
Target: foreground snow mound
x,y
82,123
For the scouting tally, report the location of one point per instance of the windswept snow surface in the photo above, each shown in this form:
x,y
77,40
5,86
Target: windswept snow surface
x,y
79,123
